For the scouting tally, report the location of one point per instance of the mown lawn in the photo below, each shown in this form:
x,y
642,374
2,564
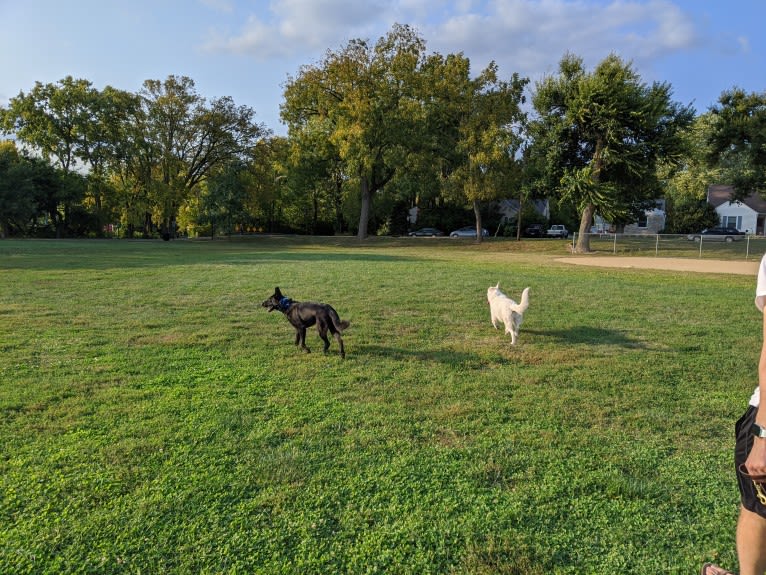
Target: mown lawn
x,y
155,419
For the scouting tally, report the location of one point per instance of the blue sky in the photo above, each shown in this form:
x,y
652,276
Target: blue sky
x,y
247,48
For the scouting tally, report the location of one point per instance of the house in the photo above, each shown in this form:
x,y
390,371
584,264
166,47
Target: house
x,y
651,222
509,208
747,215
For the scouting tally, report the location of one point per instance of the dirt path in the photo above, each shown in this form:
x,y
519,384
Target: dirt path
x,y
674,264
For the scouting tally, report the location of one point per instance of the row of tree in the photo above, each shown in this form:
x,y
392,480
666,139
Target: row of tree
x,y
372,131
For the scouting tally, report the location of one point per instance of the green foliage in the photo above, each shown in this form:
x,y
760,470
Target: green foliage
x,y
600,137
689,181
738,139
161,421
370,97
688,215
17,202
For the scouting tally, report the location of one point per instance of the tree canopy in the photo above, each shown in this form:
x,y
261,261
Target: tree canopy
x,y
374,129
601,135
738,140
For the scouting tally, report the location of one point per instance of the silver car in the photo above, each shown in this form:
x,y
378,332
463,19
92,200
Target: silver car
x,y
468,232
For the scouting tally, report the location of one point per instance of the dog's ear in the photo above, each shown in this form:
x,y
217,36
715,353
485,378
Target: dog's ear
x,y
497,286
277,292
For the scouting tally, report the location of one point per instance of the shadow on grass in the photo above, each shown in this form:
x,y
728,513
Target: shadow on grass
x,y
443,356
132,254
590,335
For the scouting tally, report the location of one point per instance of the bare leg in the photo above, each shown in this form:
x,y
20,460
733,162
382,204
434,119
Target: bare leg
x,y
751,543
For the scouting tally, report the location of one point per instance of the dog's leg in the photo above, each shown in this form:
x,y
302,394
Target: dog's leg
x,y
339,339
322,329
493,317
515,323
302,337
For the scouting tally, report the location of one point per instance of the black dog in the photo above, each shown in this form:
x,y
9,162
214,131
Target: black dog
x,y
305,314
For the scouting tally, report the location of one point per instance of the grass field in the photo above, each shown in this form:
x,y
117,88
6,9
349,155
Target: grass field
x,y
155,419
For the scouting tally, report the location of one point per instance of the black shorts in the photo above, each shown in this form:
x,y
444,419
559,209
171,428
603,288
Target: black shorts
x,y
742,447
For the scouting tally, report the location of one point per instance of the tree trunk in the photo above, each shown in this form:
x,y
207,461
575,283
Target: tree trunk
x,y
364,217
477,213
583,236
338,202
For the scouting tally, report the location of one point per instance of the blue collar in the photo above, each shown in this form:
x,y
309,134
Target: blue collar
x,y
285,303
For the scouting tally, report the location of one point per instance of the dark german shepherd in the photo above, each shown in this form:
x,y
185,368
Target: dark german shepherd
x,y
303,314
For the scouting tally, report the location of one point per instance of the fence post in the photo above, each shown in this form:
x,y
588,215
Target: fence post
x,y
700,256
657,246
747,249
614,249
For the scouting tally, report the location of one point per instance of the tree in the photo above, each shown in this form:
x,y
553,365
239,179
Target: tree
x,y
686,206
186,139
55,120
602,135
738,140
370,97
316,176
487,141
687,215
17,202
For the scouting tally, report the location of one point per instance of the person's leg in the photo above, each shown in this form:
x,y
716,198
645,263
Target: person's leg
x,y
751,543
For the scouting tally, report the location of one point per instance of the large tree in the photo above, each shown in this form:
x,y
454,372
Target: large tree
x,y
488,138
602,134
188,138
54,120
738,140
57,122
369,95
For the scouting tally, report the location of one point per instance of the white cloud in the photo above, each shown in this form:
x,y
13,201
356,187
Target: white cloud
x,y
524,36
295,26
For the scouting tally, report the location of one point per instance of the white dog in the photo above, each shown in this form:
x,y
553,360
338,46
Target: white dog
x,y
503,308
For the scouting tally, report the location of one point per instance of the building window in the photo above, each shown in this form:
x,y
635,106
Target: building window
x,y
731,221
642,220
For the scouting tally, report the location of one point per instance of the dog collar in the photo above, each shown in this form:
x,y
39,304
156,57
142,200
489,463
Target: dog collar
x,y
285,303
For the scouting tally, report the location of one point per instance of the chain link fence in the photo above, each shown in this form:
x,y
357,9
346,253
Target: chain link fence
x,y
742,247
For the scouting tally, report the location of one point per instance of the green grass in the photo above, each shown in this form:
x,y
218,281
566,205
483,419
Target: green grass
x,y
155,419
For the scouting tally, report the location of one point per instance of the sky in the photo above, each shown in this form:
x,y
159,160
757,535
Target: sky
x,y
247,49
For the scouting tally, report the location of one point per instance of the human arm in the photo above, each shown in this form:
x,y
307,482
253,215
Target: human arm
x,y
756,459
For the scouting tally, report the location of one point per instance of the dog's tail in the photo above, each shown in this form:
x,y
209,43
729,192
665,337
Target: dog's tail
x,y
524,304
339,324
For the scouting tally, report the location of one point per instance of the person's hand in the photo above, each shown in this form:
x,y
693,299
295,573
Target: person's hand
x,y
756,459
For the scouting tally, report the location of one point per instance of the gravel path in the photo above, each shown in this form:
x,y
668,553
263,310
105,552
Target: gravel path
x,y
674,264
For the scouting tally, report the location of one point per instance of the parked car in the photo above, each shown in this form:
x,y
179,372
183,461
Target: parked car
x,y
468,232
557,231
534,231
427,232
717,234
